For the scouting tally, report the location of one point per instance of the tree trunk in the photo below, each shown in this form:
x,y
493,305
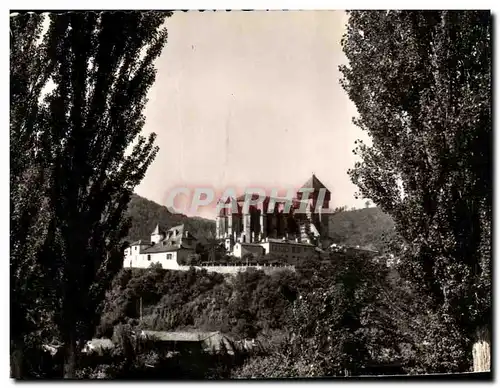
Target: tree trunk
x,y
481,350
16,362
70,358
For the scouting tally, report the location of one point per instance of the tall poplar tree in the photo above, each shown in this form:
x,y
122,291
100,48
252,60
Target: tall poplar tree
x,y
85,130
421,83
29,73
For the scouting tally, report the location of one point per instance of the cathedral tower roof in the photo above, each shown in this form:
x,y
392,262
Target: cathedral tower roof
x,y
315,184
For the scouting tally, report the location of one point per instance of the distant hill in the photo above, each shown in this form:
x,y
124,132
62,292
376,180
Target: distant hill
x,y
145,214
363,227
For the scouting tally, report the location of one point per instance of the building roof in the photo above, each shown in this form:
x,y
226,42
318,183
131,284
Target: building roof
x,y
266,198
140,242
175,239
209,340
98,345
101,343
186,336
250,244
161,247
315,184
363,250
177,228
280,241
227,200
243,197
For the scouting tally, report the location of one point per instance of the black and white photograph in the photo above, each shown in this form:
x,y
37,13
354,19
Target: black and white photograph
x,y
250,194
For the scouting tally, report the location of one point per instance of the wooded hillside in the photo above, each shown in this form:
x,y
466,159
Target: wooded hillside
x,y
367,228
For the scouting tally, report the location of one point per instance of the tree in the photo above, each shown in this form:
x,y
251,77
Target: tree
x,y
344,323
421,83
30,71
213,250
338,324
340,209
85,136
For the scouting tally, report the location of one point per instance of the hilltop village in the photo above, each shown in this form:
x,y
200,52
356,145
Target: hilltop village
x,y
270,228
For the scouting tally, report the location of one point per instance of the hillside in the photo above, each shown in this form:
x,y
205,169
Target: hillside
x,y
145,214
363,227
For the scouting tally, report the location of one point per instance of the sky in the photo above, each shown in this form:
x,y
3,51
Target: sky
x,y
245,99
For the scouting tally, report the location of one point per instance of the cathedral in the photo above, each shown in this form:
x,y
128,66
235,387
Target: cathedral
x,y
304,219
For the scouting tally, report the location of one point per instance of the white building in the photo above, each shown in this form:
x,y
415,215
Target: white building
x,y
241,249
165,248
289,249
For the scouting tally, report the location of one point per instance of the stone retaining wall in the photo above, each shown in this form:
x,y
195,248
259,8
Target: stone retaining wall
x,y
234,269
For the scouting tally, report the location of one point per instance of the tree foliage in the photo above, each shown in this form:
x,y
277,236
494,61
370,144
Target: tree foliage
x,y
29,215
246,306
344,323
340,322
421,83
349,313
